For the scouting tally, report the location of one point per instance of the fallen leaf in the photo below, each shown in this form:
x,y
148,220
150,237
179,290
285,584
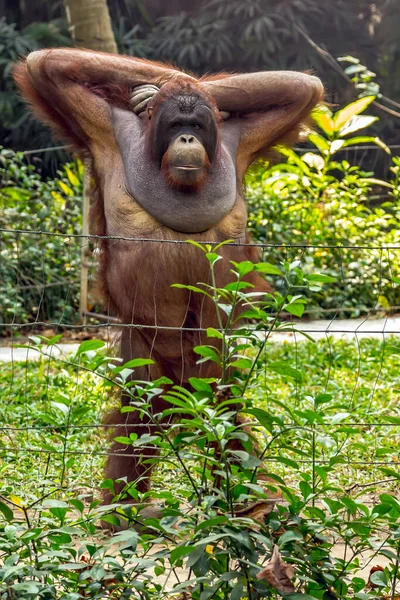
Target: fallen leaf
x,y
370,583
278,573
257,511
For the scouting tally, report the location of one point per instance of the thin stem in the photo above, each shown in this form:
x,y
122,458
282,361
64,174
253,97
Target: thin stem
x,y
220,323
264,343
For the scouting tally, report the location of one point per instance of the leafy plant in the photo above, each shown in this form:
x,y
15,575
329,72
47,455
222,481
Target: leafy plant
x,y
325,206
18,128
221,532
38,272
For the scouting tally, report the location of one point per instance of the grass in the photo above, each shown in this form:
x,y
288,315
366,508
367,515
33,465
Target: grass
x,y
51,413
331,434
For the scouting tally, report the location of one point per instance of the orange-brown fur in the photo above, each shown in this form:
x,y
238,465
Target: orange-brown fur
x,y
136,277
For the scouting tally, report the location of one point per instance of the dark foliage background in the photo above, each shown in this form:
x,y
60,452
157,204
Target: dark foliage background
x,y
216,35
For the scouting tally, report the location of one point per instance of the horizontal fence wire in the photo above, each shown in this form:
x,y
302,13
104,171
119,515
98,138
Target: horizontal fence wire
x,y
297,149
35,446
204,242
158,426
33,286
272,459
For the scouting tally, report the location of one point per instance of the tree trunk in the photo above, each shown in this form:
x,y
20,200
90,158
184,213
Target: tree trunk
x,y
90,24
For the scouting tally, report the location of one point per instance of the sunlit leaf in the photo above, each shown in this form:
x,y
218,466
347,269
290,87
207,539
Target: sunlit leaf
x,y
366,139
357,123
323,118
319,142
65,188
314,160
71,177
342,117
336,146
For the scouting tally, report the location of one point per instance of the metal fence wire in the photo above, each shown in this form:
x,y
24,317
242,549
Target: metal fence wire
x,y
57,407
358,347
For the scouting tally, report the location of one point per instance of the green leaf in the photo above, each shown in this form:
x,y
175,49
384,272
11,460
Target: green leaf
x,y
247,460
54,339
323,118
390,472
358,584
357,123
379,578
339,417
388,499
320,278
342,117
126,539
214,333
197,244
242,363
263,417
210,523
77,504
207,352
132,364
238,592
7,512
319,142
121,439
282,368
243,267
322,399
201,385
295,308
366,139
60,537
268,269
179,552
213,257
88,345
191,288
375,181
289,536
49,503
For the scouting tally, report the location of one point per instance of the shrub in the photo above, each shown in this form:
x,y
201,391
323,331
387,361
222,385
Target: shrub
x,y
38,273
18,128
320,201
218,519
314,200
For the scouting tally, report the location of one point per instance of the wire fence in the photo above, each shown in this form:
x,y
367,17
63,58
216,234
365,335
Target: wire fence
x,y
360,370
358,154
366,380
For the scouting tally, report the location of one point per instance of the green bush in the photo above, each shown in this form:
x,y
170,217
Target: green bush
x,y
310,531
319,200
38,273
18,128
311,200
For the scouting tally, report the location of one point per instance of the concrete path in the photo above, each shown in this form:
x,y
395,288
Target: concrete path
x,y
9,354
350,329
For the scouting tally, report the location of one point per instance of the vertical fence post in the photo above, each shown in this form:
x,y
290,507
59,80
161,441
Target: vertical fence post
x,y
83,302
